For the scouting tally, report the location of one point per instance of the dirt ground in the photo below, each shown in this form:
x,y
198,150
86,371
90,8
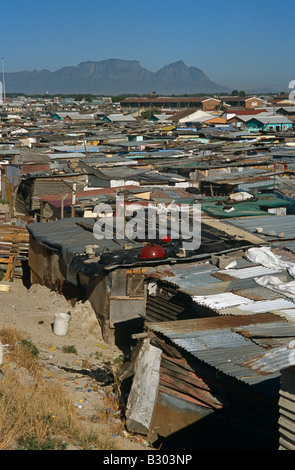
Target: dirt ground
x,y
86,374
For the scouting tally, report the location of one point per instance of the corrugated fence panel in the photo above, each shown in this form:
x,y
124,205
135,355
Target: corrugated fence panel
x,y
287,410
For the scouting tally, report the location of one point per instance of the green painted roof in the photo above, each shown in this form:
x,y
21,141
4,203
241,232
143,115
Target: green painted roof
x,y
240,210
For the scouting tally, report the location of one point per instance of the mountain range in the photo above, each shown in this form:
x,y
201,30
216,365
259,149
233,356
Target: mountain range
x,y
113,77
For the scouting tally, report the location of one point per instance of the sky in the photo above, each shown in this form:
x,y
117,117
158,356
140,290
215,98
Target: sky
x,y
240,45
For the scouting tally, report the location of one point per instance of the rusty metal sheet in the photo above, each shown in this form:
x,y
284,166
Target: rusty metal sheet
x,y
203,397
271,361
217,322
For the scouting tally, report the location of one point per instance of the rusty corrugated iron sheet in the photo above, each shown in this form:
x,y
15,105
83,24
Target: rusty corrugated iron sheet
x,y
175,378
217,322
226,343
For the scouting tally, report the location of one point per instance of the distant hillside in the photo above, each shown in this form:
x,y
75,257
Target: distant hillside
x,y
113,77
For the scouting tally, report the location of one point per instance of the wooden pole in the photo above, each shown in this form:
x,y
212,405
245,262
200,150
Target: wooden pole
x,y
73,200
62,205
41,210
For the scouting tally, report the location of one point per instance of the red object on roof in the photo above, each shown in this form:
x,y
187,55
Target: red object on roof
x,y
166,239
152,252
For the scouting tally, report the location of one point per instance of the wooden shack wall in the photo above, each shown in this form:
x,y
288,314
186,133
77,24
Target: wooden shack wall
x,y
117,297
47,268
96,292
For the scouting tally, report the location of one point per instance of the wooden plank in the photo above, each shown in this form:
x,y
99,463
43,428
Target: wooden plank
x,y
144,388
14,243
9,265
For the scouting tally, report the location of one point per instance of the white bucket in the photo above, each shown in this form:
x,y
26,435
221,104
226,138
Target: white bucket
x,y
61,323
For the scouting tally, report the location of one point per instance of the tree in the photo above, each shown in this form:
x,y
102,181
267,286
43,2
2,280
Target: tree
x,y
118,98
235,93
89,98
151,95
149,113
242,94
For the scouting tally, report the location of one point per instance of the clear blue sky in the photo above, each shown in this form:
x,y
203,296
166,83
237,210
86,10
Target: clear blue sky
x,y
236,43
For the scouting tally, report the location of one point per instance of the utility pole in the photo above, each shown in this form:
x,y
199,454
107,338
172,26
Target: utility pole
x,y
73,200
3,80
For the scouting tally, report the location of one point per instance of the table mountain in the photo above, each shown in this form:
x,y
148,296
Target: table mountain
x,y
113,77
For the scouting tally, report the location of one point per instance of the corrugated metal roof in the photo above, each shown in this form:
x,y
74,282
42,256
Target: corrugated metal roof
x,y
282,223
288,314
204,340
290,246
209,323
189,278
224,349
275,329
199,280
250,272
250,289
220,301
260,306
229,291
272,361
230,360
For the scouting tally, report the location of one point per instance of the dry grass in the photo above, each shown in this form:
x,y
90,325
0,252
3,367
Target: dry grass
x,y
36,414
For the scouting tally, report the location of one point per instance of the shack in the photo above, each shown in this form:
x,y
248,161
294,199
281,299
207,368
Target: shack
x,y
281,360
65,256
201,395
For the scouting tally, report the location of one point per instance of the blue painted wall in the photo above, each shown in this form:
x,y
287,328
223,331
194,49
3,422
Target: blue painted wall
x,y
255,124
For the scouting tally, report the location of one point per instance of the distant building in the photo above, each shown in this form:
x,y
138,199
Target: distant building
x,y
269,123
246,102
119,118
203,103
171,103
72,116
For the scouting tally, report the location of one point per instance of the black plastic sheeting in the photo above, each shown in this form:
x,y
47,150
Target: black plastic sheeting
x,y
91,270
69,237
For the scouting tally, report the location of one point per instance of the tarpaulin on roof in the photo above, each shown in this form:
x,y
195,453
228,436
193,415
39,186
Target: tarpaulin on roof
x,y
264,256
66,237
277,285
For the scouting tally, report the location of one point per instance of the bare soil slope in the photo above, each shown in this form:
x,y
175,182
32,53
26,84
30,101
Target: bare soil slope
x,y
86,374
